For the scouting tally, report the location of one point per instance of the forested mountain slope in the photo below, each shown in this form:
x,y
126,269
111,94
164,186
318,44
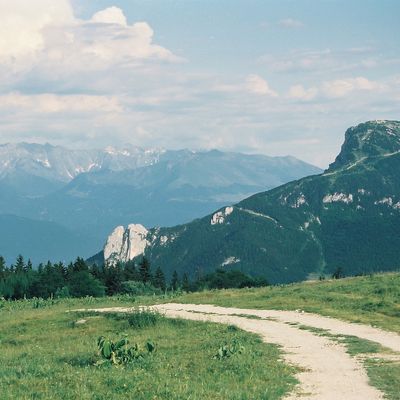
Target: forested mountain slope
x,y
347,217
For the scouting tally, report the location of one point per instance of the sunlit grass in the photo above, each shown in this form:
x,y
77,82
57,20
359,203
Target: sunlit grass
x,y
372,299
47,355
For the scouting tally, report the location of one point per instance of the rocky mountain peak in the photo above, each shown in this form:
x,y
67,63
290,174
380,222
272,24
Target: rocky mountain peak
x,y
125,244
369,139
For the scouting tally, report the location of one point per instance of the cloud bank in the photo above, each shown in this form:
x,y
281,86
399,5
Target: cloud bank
x,y
107,79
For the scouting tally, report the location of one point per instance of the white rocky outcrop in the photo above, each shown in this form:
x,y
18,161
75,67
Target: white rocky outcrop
x,y
388,201
336,197
125,244
299,201
230,260
219,217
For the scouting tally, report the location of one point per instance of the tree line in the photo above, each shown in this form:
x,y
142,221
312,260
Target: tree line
x,y
80,279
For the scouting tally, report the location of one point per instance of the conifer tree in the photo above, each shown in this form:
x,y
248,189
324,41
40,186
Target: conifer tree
x,y
19,264
28,266
175,281
130,272
144,270
159,279
2,267
185,282
80,265
114,276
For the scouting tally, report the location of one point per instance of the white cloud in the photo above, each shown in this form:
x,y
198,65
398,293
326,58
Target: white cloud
x,y
111,15
123,86
51,103
256,84
343,87
300,93
21,25
327,61
291,23
44,34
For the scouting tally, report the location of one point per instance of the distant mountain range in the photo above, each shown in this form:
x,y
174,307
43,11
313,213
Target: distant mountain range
x,y
347,217
80,195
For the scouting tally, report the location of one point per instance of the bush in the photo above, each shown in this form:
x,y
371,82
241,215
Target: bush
x,y
229,279
118,353
82,284
136,288
62,293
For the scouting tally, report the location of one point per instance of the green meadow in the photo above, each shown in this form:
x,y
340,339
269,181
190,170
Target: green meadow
x,y
47,354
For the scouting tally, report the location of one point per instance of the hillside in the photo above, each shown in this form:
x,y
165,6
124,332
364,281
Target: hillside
x,y
88,192
347,217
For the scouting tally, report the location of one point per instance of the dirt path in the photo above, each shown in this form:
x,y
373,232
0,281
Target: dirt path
x,y
329,373
337,327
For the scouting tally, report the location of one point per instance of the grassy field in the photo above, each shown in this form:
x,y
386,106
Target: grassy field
x,y
371,299
46,355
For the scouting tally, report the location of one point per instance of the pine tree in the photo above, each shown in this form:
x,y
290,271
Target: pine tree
x,y
185,282
144,270
29,266
2,268
114,276
130,272
175,281
19,264
80,265
159,279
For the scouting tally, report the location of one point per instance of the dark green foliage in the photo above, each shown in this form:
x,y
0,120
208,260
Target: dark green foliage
x,y
82,283
138,288
48,281
338,274
118,353
227,350
19,265
159,279
185,282
130,271
144,270
2,268
77,280
113,278
174,281
222,279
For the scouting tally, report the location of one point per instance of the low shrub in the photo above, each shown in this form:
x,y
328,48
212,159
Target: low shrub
x,y
136,288
235,347
119,353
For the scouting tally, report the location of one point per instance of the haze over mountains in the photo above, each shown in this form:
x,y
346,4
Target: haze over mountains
x,y
57,203
347,217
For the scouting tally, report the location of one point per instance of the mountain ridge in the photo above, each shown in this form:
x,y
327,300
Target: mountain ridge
x,y
152,187
347,217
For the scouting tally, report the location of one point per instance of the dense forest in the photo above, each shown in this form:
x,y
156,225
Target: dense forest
x,y
79,279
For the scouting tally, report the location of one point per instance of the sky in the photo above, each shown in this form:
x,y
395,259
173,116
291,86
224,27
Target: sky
x,y
256,76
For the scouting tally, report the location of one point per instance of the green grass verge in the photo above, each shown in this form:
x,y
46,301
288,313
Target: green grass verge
x,y
372,299
46,355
